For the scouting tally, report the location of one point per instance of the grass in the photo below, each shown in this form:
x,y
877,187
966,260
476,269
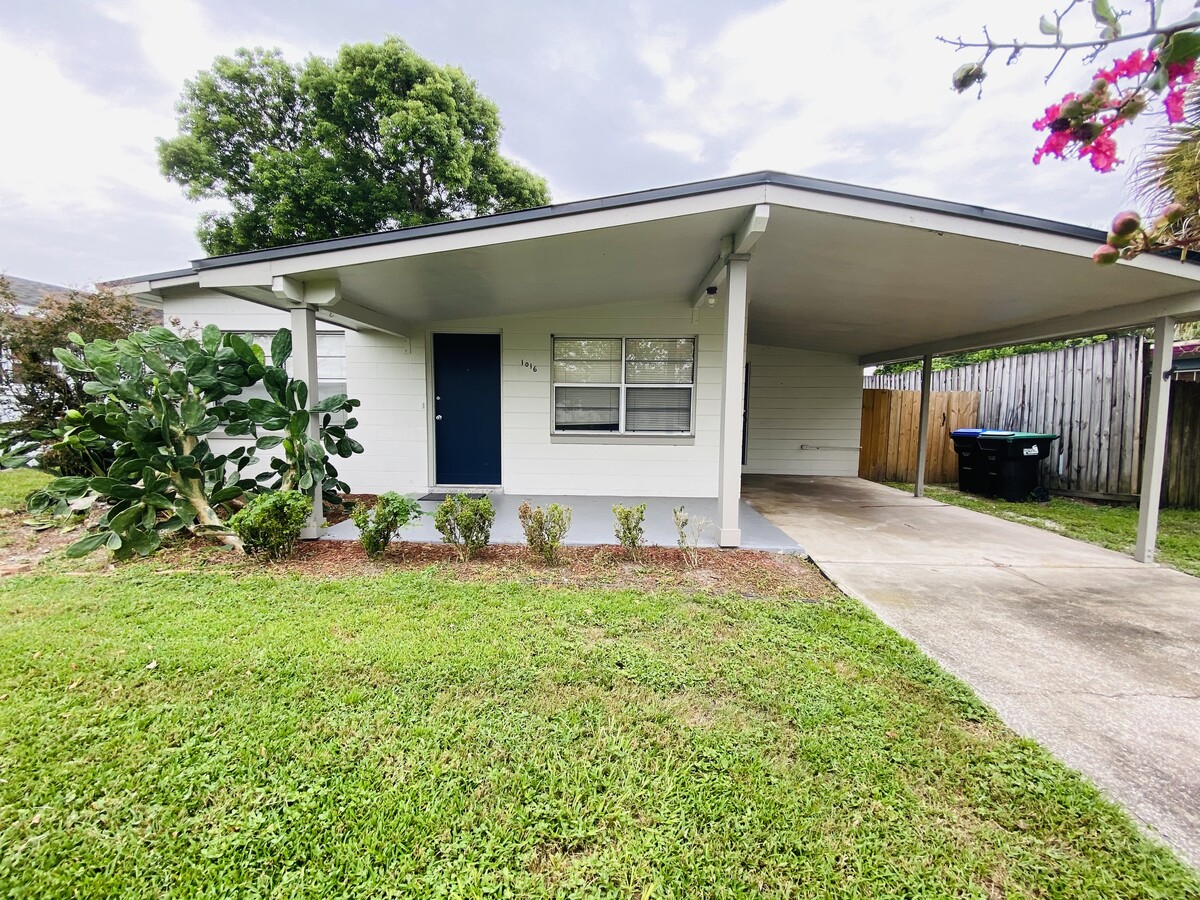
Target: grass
x,y
411,735
1111,526
15,484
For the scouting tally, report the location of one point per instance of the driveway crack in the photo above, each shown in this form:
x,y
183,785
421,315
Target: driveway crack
x,y
1119,695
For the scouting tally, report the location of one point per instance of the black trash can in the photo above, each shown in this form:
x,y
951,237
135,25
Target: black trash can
x,y
1011,462
971,469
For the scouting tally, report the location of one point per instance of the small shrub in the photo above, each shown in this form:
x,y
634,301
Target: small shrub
x,y
629,530
271,523
690,531
545,528
465,523
378,524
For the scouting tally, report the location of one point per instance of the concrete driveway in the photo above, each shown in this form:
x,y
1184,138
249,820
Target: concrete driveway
x,y
1086,651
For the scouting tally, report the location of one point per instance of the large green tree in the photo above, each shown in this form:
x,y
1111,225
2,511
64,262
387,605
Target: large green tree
x,y
377,138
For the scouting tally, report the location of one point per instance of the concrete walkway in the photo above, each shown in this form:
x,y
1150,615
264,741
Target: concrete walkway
x,y
1086,651
592,522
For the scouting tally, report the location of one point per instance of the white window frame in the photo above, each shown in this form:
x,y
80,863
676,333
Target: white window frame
x,y
622,386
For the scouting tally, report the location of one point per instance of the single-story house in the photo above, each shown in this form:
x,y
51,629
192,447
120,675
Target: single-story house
x,y
662,342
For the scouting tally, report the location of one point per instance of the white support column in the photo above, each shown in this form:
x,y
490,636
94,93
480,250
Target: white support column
x,y
1156,440
304,367
729,484
923,424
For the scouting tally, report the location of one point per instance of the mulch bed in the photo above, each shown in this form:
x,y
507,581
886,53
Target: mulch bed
x,y
749,573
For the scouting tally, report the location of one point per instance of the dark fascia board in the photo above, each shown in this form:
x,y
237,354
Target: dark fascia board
x,y
155,276
715,185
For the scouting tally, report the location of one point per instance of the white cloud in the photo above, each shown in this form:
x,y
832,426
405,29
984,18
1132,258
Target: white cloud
x,y
574,53
681,142
72,149
179,39
863,91
79,156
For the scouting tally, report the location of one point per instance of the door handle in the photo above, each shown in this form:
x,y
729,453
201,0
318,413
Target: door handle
x,y
437,418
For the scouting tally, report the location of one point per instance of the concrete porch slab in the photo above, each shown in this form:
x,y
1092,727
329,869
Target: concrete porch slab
x,y
592,522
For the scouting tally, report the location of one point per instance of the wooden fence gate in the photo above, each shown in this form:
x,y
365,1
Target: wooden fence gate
x,y
1181,472
890,422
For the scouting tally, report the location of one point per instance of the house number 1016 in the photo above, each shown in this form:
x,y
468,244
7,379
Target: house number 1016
x,y
528,365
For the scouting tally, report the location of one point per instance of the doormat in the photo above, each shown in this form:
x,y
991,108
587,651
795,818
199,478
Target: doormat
x,y
439,497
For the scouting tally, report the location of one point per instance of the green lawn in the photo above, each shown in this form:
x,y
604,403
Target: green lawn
x,y
412,735
1114,527
15,484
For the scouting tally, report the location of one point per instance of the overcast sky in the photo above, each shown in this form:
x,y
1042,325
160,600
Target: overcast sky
x,y
599,97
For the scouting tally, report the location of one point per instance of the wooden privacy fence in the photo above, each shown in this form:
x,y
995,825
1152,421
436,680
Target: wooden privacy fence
x,y
889,434
1181,479
1090,396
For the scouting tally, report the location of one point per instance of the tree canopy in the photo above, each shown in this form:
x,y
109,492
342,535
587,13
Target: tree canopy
x,y
37,388
377,138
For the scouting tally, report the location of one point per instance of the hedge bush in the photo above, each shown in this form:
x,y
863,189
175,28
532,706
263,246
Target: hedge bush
x,y
465,524
377,525
270,524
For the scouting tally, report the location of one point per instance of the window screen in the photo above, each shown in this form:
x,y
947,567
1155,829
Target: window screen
x,y
624,385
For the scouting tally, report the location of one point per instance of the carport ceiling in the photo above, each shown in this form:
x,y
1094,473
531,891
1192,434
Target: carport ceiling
x,y
853,285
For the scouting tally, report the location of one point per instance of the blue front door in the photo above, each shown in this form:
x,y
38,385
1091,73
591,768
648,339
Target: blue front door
x,y
466,408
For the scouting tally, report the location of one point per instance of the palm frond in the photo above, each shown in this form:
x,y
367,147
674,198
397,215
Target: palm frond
x,y
1169,171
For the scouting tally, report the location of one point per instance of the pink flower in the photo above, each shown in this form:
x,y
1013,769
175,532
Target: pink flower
x,y
1103,153
1055,145
1173,103
1139,62
1090,135
1053,112
1184,72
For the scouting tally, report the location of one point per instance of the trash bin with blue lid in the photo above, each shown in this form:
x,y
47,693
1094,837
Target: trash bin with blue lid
x,y
971,469
1011,461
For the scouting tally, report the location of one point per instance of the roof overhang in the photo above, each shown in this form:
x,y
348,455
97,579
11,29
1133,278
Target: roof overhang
x,y
874,274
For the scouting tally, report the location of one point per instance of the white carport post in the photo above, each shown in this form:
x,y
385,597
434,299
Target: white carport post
x,y
729,483
923,425
304,367
1156,439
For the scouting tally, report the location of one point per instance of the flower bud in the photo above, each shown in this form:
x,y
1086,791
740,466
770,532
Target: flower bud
x,y
1126,223
1173,213
1119,240
1072,109
1133,107
1106,255
967,75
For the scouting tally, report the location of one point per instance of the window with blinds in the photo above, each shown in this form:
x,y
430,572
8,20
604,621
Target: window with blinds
x,y
624,385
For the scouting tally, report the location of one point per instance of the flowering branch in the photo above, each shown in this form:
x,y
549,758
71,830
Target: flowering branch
x,y
1083,124
1017,47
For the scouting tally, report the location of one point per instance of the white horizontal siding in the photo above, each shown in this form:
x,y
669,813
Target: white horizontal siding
x,y
796,398
805,412
388,375
534,463
194,308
